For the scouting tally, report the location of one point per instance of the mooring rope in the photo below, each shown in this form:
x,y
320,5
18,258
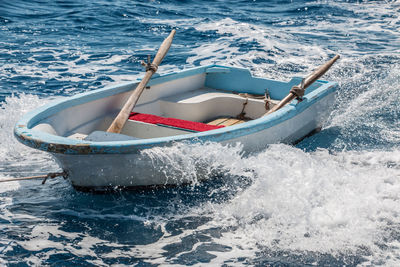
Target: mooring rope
x,y
50,175
266,97
242,114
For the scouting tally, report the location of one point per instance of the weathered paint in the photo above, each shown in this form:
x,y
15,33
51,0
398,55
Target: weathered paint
x,y
217,77
99,171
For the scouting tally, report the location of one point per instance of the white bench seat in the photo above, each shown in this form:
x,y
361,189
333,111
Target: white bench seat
x,y
206,104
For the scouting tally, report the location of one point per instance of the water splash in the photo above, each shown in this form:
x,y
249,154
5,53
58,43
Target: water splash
x,y
16,159
321,202
195,162
332,206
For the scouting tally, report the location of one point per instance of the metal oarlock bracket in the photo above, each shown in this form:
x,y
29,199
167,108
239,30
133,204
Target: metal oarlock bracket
x,y
54,175
44,177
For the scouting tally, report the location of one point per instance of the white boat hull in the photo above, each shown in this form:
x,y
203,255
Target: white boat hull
x,y
198,95
110,171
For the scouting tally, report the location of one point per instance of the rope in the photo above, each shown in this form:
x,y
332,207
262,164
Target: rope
x,y
298,91
242,114
247,95
266,97
149,65
50,175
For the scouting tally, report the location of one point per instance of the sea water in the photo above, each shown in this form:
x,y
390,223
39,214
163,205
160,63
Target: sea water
x,y
331,200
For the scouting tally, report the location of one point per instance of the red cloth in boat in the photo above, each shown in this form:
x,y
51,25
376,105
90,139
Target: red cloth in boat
x,y
177,123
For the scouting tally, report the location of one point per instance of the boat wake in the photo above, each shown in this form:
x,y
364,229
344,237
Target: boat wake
x,y
337,206
333,199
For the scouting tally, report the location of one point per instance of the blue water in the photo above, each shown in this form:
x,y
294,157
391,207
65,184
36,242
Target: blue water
x,y
332,200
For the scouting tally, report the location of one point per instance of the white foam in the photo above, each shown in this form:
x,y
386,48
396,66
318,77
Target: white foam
x,y
39,240
194,162
280,48
18,160
319,202
82,68
289,50
316,202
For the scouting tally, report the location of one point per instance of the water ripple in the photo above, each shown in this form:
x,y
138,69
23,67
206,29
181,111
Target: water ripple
x,y
332,200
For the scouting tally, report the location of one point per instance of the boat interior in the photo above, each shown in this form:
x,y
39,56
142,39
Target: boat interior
x,y
170,105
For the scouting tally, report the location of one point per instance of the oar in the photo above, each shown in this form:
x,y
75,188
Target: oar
x,y
119,122
304,84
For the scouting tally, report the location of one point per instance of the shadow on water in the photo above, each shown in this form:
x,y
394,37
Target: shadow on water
x,y
326,138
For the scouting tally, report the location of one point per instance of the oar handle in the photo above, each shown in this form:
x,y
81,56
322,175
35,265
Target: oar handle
x,y
164,47
119,122
307,82
319,72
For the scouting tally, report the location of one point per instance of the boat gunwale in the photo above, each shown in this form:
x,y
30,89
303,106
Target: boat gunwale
x,y
59,144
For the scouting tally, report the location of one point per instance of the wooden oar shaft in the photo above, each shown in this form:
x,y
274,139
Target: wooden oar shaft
x,y
308,81
123,115
119,122
283,102
319,72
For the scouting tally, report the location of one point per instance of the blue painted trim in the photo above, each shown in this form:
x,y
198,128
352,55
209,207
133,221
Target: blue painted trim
x,y
218,69
58,144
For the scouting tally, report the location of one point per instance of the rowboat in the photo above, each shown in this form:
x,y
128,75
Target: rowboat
x,y
213,103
